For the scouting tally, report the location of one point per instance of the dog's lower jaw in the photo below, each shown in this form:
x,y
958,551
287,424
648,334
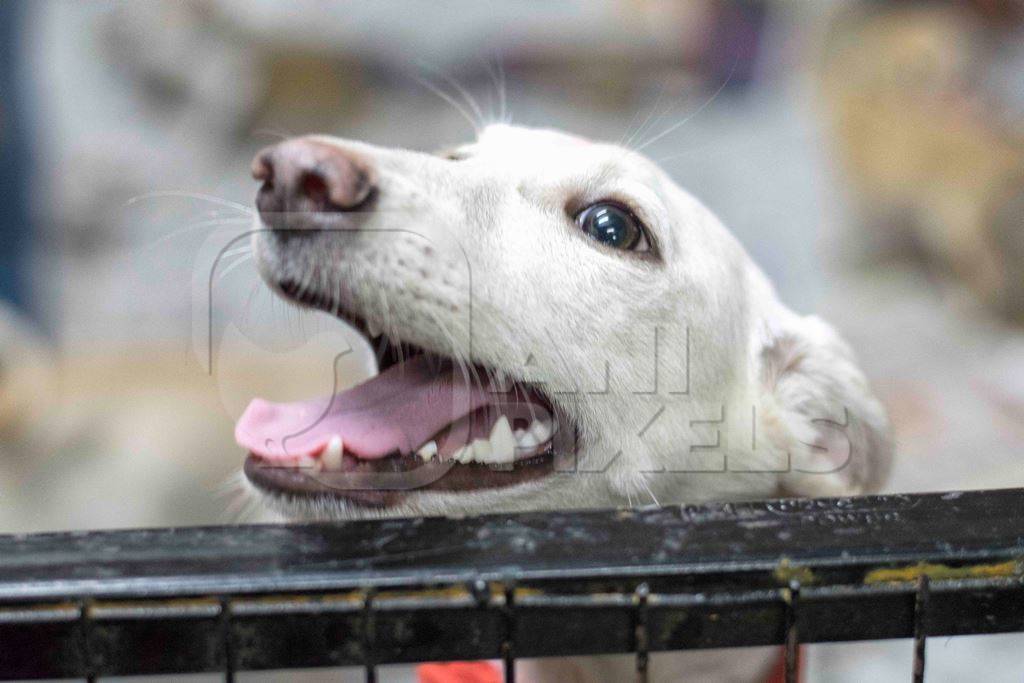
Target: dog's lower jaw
x,y
518,498
560,491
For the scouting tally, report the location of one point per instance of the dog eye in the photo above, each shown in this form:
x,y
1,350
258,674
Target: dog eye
x,y
613,225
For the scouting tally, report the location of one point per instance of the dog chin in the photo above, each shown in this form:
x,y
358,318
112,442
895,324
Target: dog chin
x,y
288,508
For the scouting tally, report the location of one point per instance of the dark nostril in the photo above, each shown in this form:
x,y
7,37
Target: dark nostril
x,y
314,186
306,175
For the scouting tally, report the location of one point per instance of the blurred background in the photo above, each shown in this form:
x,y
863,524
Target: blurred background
x,y
869,155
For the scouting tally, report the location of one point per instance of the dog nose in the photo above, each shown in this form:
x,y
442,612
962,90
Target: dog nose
x,y
308,175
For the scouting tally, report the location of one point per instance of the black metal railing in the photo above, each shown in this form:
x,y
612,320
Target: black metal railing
x,y
510,586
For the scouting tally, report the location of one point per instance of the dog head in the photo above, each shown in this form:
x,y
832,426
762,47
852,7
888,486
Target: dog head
x,y
559,325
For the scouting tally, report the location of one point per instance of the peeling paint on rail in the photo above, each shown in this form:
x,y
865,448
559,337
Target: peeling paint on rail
x,y
911,573
786,572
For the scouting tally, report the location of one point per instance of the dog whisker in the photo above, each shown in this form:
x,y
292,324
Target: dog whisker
x,y
386,323
241,506
641,129
469,99
475,124
159,194
504,115
699,109
206,223
497,77
227,269
466,367
647,487
231,253
247,309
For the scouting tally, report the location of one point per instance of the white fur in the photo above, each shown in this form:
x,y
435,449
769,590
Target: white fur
x,y
480,258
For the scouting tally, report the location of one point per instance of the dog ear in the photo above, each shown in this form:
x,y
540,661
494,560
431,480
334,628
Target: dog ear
x,y
817,408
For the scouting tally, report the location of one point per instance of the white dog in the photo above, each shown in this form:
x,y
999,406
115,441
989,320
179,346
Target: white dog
x,y
560,326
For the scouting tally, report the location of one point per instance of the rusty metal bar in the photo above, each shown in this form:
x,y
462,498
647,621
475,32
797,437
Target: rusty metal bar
x,y
227,599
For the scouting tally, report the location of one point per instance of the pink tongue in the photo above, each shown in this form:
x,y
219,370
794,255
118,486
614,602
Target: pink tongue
x,y
398,410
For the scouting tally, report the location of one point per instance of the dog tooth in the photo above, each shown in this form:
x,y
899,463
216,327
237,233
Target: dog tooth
x,y
528,440
503,443
518,433
331,457
307,462
428,450
461,453
372,329
541,429
481,450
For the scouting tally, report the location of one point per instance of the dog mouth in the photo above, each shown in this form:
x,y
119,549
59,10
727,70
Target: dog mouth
x,y
425,422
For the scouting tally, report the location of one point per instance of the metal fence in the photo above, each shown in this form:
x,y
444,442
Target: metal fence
x,y
503,587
